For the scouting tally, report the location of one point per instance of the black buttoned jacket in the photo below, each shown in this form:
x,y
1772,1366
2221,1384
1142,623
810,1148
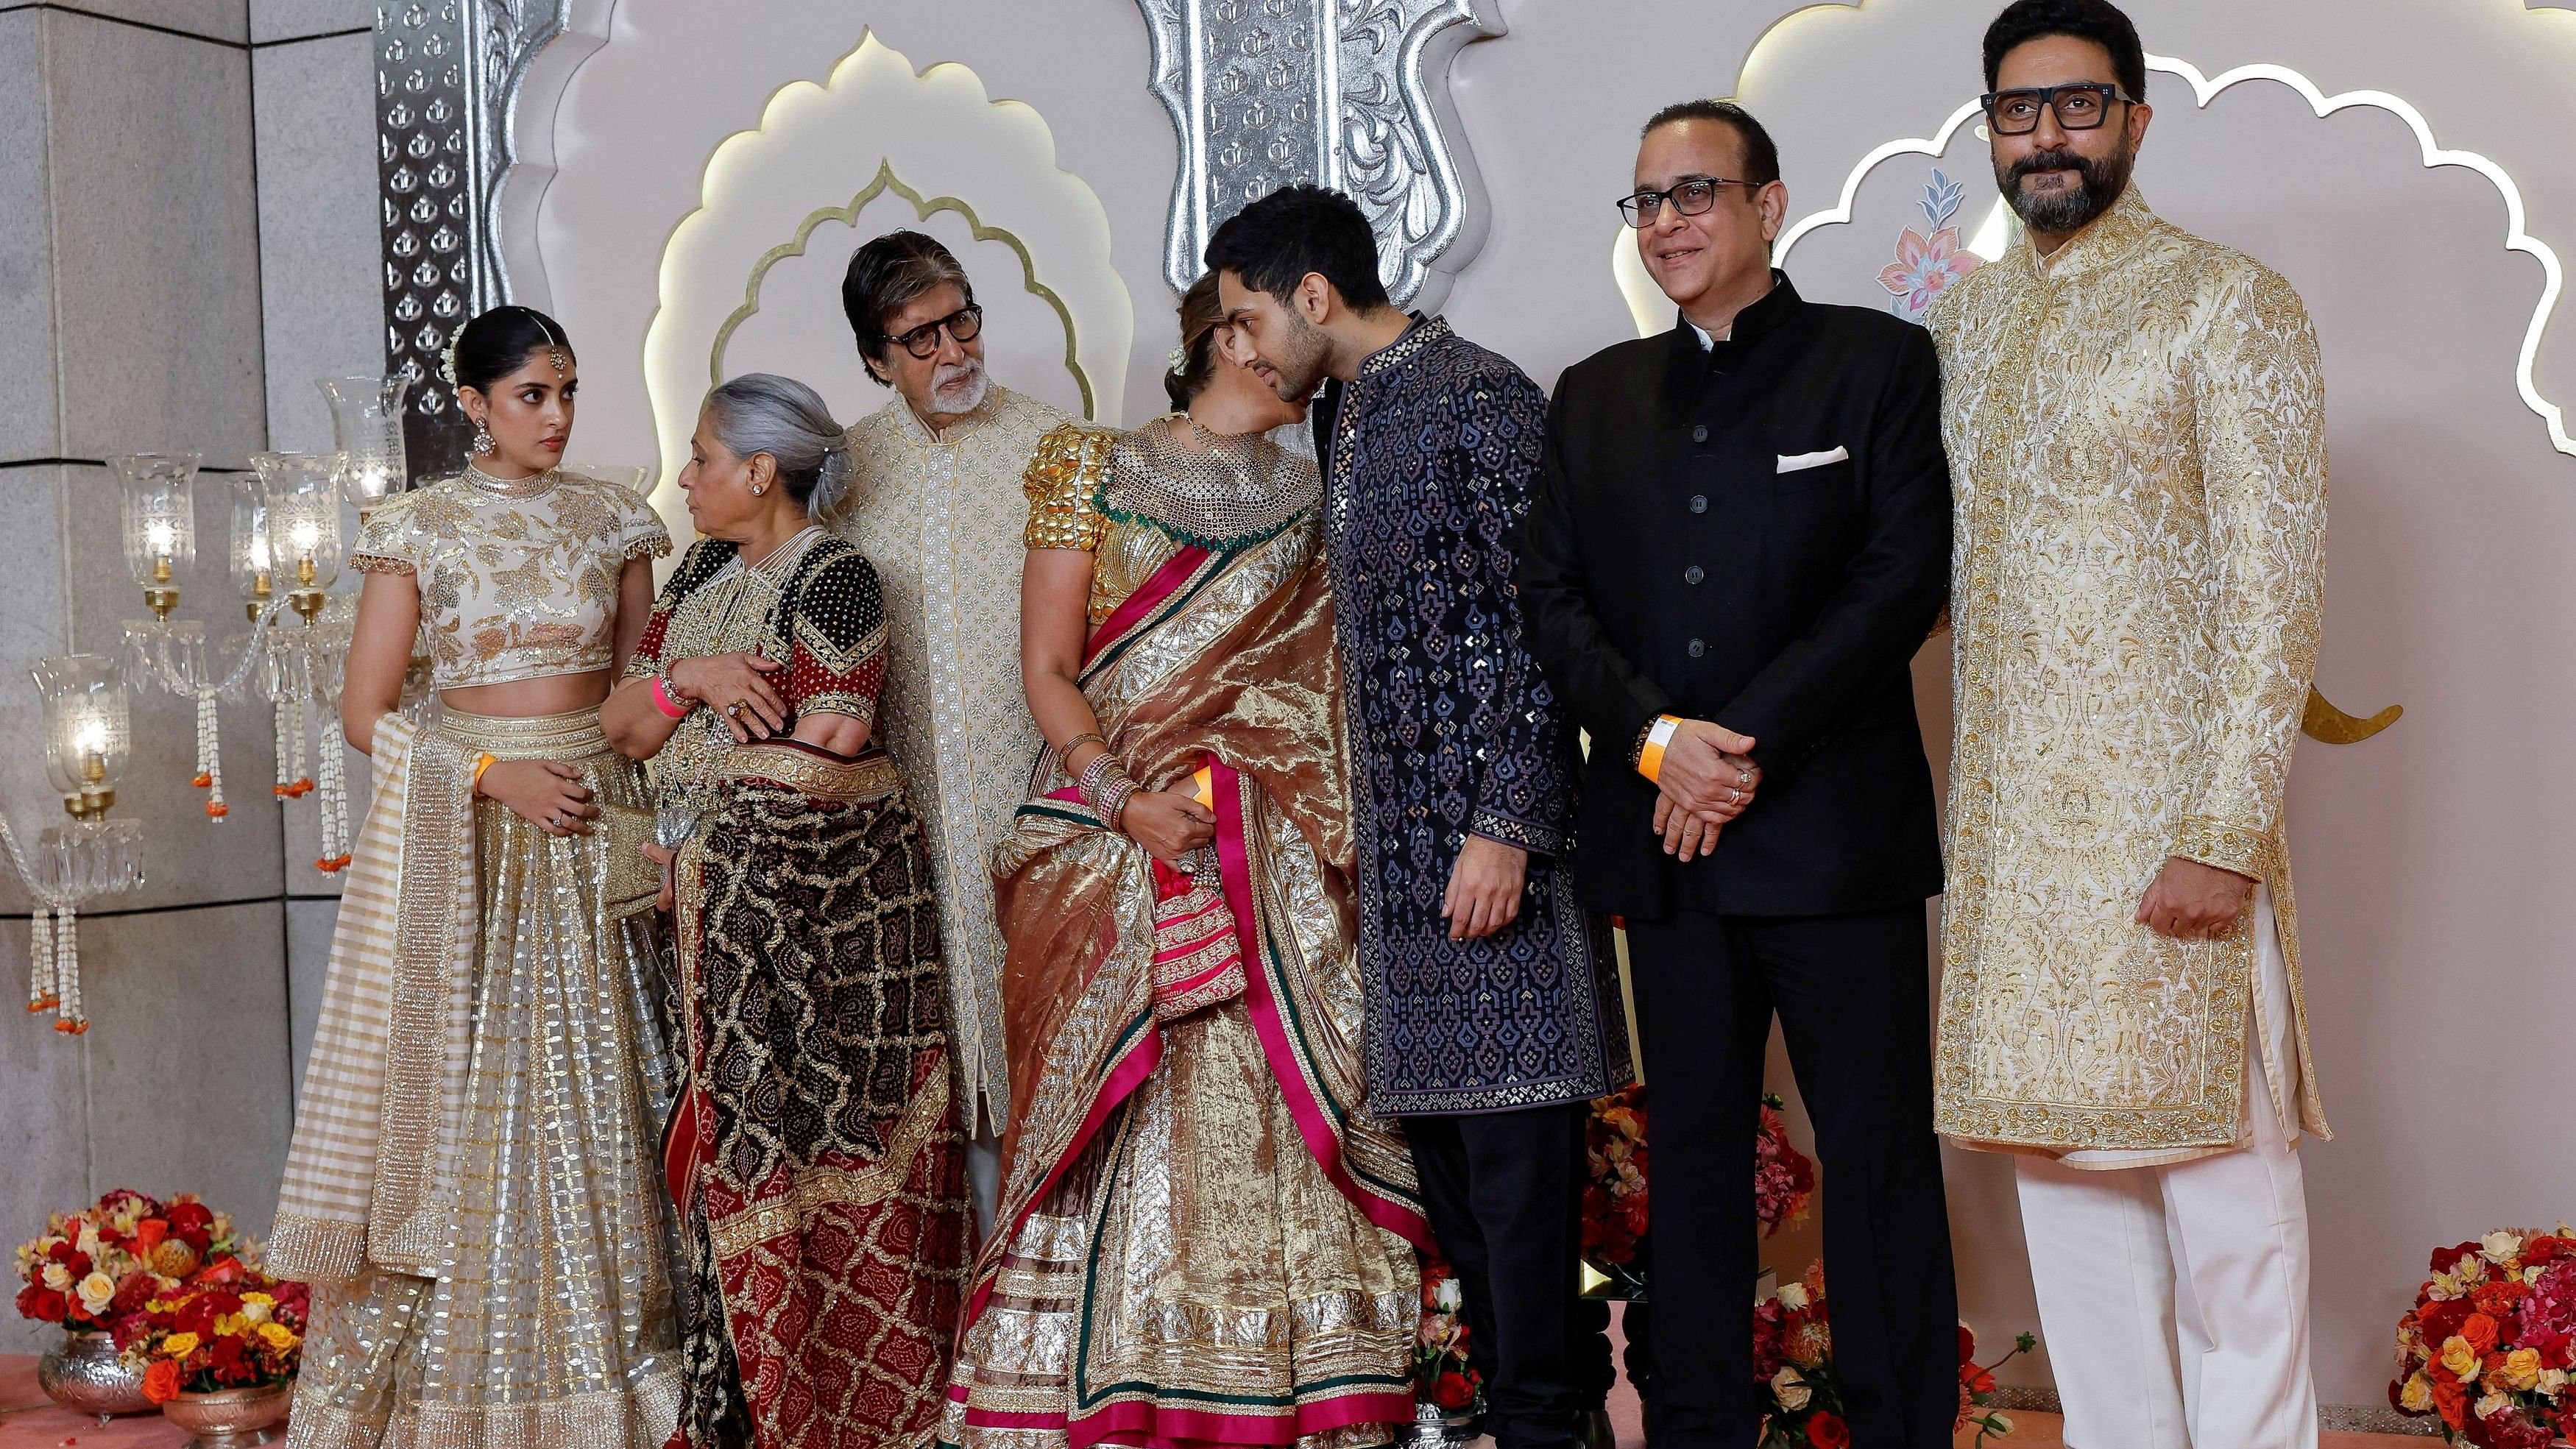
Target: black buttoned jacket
x,y
1691,551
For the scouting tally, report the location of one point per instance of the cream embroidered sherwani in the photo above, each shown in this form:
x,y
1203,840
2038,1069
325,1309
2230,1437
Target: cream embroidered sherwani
x,y
2136,430
940,517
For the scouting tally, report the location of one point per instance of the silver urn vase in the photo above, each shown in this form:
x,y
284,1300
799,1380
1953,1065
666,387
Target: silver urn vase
x,y
1437,1428
84,1374
232,1418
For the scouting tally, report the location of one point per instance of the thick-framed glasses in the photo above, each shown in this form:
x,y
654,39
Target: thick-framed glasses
x,y
1690,196
961,325
2080,106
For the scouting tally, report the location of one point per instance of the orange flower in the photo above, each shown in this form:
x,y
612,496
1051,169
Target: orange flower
x,y
2452,1402
148,1235
2480,1331
161,1381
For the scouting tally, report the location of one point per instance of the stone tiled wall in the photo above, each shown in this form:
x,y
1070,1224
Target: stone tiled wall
x,y
187,240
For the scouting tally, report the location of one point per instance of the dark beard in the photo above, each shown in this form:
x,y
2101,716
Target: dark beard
x,y
2058,213
1300,369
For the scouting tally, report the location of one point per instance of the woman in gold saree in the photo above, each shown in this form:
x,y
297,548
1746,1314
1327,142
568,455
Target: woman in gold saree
x,y
814,1156
1201,1240
471,1189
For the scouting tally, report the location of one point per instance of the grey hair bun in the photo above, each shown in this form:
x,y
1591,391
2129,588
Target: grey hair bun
x,y
761,412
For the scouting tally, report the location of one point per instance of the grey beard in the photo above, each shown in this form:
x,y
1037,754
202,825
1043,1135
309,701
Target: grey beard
x,y
2072,208
963,391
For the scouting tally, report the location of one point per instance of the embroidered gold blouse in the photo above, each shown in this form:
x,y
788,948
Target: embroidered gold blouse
x,y
2136,431
517,580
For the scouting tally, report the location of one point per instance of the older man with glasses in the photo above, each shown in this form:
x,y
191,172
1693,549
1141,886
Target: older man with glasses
x,y
935,504
1741,538
2136,421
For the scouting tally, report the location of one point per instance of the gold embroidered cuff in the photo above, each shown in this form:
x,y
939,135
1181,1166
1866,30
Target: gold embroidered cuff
x,y
376,563
2224,845
315,1250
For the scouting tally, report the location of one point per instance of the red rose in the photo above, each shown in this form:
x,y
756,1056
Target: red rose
x,y
1967,1346
232,1366
192,1223
1976,1380
2445,1259
42,1304
1454,1391
2441,1320
2542,1249
1828,1431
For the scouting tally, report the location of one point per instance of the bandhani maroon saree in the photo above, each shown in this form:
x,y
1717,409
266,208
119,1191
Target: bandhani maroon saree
x,y
1201,1241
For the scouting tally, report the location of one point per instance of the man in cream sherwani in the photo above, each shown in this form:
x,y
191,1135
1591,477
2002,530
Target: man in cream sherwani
x,y
2135,422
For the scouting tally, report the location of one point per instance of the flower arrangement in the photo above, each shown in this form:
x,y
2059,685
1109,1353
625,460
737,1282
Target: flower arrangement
x,y
2491,1339
1614,1196
1801,1398
229,1326
1784,1180
1441,1373
91,1269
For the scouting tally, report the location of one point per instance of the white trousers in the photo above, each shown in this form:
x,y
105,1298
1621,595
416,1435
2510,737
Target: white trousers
x,y
2174,1299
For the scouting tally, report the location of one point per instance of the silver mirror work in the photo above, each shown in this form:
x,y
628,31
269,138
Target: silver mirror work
x,y
448,76
1352,94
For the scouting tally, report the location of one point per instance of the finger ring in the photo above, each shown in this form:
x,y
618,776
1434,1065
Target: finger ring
x,y
1734,796
734,709
556,821
1744,777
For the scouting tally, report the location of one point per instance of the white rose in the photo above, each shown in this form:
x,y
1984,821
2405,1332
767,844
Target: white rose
x,y
2553,1382
88,1243
2488,1406
96,1292
254,1310
2500,1247
1793,1296
1447,1297
1790,1390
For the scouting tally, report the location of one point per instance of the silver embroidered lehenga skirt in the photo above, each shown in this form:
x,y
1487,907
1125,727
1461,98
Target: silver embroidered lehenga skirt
x,y
550,1321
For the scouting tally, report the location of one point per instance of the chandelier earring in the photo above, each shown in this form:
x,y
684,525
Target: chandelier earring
x,y
482,443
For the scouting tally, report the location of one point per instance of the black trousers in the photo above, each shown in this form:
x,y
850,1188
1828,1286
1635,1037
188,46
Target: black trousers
x,y
1504,1193
1853,994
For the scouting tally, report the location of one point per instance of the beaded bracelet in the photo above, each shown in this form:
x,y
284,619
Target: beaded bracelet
x,y
1114,798
663,702
1094,773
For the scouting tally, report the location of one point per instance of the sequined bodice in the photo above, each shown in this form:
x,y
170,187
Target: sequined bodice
x,y
518,580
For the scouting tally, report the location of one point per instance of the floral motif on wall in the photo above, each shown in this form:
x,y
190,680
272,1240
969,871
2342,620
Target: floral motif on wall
x,y
1930,260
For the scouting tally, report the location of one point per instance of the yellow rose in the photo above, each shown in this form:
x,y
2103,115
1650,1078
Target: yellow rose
x,y
179,1345
256,1306
2460,1359
278,1335
2417,1396
2522,1369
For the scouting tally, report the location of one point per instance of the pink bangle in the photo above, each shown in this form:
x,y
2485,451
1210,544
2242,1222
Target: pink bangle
x,y
662,702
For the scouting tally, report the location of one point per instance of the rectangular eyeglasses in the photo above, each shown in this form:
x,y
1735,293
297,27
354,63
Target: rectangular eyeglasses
x,y
2080,106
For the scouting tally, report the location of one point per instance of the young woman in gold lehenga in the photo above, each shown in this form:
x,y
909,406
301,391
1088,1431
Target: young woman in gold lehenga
x,y
471,1189
1201,1240
815,1155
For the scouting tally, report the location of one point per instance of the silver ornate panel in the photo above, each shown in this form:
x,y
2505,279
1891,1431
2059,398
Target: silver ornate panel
x,y
447,79
1351,94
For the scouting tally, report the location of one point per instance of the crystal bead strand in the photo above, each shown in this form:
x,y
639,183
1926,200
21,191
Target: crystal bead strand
x,y
69,1018
40,962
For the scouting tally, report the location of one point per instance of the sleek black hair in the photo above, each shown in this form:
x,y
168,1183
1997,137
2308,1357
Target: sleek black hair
x,y
497,343
2099,21
1276,242
888,274
1761,155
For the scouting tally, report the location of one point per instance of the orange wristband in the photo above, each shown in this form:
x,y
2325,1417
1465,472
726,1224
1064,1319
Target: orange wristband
x,y
485,762
1650,760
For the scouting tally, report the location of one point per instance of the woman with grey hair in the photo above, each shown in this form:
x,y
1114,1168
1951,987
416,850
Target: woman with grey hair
x,y
813,1155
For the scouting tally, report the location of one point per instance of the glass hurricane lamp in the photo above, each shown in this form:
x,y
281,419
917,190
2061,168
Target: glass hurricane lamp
x,y
367,428
303,505
87,730
160,522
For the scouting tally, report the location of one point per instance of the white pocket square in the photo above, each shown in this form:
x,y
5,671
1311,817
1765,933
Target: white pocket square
x,y
1795,462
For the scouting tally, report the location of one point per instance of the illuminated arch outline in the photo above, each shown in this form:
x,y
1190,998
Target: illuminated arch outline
x,y
930,125
2204,88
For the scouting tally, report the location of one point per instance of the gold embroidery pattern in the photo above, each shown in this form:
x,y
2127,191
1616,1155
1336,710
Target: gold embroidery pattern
x,y
2136,439
864,781
514,587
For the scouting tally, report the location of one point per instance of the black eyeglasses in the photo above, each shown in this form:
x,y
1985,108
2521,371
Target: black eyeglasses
x,y
923,341
2080,106
1690,196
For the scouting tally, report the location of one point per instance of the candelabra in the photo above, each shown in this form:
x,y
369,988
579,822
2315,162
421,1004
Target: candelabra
x,y
87,734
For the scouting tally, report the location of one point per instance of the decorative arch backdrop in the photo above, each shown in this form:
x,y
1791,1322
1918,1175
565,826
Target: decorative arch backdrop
x,y
2431,859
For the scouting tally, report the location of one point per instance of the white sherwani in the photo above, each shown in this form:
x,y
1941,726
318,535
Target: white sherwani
x,y
940,517
2136,431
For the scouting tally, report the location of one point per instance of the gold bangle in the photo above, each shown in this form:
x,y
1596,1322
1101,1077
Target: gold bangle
x,y
481,763
1650,760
